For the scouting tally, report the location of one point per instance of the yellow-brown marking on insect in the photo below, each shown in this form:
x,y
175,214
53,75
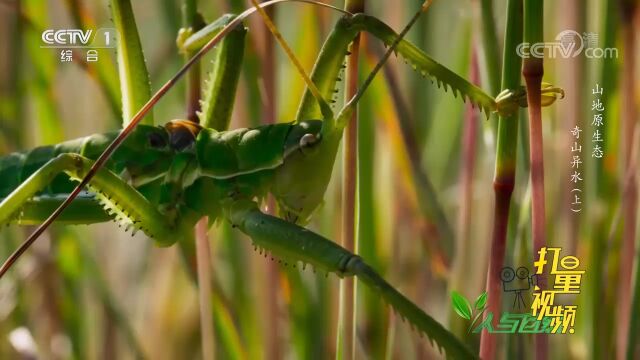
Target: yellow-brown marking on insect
x,y
182,133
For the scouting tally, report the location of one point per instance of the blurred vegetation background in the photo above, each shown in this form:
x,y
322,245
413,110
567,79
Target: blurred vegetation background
x,y
96,292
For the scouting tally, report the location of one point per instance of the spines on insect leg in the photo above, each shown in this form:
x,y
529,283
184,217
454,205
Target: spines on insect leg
x,y
408,311
326,70
426,66
125,218
128,207
286,240
117,196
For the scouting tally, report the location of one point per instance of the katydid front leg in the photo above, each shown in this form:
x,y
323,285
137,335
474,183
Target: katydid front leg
x,y
123,202
293,243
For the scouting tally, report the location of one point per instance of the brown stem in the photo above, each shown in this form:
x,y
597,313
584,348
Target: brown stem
x,y
203,250
193,92
349,200
203,254
571,75
349,179
272,334
505,173
464,245
630,188
533,79
503,189
533,71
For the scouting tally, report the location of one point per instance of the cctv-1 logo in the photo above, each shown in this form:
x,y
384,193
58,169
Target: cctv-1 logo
x,y
66,38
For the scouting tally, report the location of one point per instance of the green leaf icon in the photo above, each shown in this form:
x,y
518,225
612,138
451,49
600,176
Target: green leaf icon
x,y
461,305
481,301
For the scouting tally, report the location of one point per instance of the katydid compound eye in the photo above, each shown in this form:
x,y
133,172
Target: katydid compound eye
x,y
157,141
181,138
307,140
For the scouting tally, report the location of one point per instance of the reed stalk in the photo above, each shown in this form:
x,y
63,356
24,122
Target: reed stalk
x,y
628,347
272,293
347,325
191,19
489,61
606,193
505,171
532,70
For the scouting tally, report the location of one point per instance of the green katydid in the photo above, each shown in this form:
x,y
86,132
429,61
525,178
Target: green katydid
x,y
161,180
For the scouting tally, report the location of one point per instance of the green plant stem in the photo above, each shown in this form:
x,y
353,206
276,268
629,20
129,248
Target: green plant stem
x,y
505,171
532,71
630,187
347,323
134,77
272,335
489,63
191,19
491,60
606,192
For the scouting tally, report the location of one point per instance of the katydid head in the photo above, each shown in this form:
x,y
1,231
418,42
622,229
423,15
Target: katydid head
x,y
300,183
182,133
308,141
304,137
176,135
145,154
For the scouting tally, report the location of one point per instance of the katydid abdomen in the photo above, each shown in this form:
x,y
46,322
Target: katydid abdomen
x,y
18,166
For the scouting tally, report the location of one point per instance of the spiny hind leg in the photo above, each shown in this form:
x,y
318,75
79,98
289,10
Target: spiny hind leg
x,y
294,243
121,201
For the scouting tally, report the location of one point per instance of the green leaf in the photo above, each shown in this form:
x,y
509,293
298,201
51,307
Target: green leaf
x,y
134,77
461,305
481,301
475,318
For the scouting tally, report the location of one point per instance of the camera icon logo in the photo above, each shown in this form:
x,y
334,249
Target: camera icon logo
x,y
517,281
